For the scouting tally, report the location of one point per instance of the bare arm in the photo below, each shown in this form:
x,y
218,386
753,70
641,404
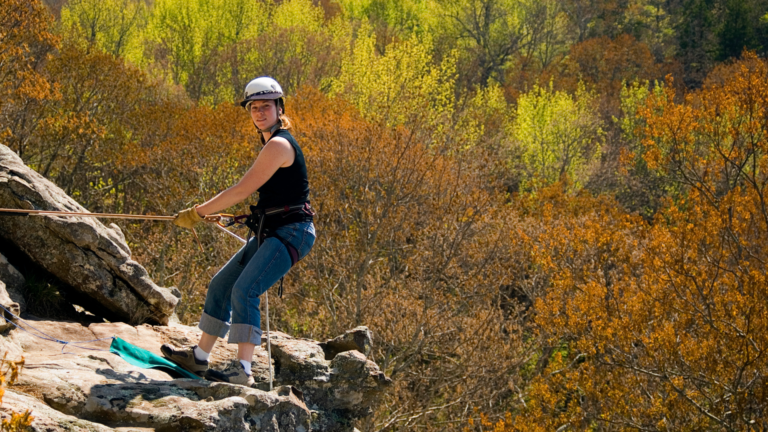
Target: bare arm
x,y
277,153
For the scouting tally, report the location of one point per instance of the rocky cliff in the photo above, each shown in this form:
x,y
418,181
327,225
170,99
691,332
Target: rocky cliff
x,y
70,388
72,382
90,258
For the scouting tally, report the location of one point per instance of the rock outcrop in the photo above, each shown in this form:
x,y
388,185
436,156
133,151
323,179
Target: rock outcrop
x,y
79,385
10,309
14,282
46,419
93,388
85,255
334,376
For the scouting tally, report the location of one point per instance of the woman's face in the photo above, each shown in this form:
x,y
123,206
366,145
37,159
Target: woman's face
x,y
263,113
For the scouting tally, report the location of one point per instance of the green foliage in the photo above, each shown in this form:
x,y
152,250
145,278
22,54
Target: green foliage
x,y
115,26
401,18
490,31
741,28
213,47
651,23
549,35
406,84
191,33
632,97
300,47
485,113
558,135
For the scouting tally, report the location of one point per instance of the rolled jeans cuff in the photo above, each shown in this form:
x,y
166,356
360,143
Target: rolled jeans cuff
x,y
240,333
213,326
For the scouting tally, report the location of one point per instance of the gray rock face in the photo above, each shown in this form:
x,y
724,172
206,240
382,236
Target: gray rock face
x,y
95,387
8,306
359,339
45,418
338,390
81,252
14,282
342,389
197,405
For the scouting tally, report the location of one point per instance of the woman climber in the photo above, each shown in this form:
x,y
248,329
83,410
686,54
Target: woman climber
x,y
282,221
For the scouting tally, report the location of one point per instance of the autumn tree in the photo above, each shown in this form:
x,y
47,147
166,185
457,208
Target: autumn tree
x,y
26,40
604,64
90,125
409,245
662,326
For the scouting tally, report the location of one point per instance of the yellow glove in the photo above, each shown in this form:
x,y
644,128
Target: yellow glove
x,y
188,218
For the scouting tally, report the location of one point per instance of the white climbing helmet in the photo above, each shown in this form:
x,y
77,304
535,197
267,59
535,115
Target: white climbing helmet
x,y
262,88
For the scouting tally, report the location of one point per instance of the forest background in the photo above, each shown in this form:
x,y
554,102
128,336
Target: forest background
x,y
552,214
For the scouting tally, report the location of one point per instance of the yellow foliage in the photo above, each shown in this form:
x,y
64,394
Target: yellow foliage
x,y
402,85
9,374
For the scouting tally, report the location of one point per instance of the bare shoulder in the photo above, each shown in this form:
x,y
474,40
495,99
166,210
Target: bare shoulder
x,y
282,149
279,143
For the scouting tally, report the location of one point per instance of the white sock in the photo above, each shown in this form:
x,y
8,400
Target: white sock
x,y
200,354
246,366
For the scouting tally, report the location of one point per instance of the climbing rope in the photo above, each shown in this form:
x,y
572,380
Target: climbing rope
x,y
222,220
47,337
24,212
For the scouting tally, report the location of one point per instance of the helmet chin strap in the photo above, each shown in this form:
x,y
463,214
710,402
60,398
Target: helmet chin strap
x,y
271,130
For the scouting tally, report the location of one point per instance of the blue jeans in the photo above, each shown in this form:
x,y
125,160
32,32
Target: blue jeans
x,y
232,301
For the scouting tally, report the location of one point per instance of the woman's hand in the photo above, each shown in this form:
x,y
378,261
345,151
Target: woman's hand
x,y
188,218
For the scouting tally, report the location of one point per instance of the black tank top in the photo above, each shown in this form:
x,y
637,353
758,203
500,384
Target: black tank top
x,y
288,185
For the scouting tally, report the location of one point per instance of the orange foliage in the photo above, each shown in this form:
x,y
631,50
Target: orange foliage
x,y
410,246
606,62
665,326
9,374
25,42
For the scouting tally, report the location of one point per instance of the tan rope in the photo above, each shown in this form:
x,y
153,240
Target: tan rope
x,y
85,214
97,215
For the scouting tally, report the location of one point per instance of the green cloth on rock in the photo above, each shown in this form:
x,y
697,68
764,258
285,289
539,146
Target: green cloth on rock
x,y
145,359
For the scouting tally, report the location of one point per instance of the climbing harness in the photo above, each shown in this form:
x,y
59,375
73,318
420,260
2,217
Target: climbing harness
x,y
257,224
